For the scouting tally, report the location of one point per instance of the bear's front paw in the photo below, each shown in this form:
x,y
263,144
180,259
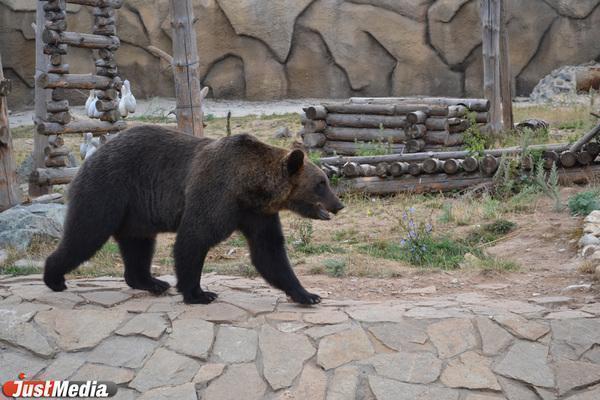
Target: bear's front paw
x,y
55,283
199,296
304,297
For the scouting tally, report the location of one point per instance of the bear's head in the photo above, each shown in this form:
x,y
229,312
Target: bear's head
x,y
310,196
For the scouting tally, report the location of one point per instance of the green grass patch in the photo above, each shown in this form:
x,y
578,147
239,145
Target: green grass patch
x,y
584,203
237,241
335,267
19,271
23,132
490,232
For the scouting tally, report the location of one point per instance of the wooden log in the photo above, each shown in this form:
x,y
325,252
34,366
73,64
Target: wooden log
x,y
55,15
312,125
108,94
444,155
63,117
382,169
315,112
350,148
452,166
366,135
593,148
10,194
111,116
470,164
58,94
313,140
108,30
98,3
105,12
534,124
482,117
101,20
550,158
106,105
347,108
444,138
416,131
479,105
56,162
75,81
398,169
110,72
414,169
107,63
432,165
83,40
444,183
51,151
368,170
437,124
415,145
58,69
584,158
416,117
56,141
58,25
457,111
365,121
568,159
56,59
57,106
585,139
61,49
53,176
41,94
82,126
527,163
489,164
188,93
460,127
352,170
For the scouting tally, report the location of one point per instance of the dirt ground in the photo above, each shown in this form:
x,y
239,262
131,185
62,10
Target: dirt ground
x,y
538,257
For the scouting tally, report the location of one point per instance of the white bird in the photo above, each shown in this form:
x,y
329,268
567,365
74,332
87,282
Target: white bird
x,y
89,100
92,111
127,101
89,146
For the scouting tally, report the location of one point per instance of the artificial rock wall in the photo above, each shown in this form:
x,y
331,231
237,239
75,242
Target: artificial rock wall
x,y
269,49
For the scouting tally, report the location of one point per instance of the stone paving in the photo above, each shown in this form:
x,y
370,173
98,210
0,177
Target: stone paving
x,y
253,344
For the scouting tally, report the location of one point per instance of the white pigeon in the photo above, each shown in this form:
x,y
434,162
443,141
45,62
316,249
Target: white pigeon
x,y
130,101
92,111
87,142
89,100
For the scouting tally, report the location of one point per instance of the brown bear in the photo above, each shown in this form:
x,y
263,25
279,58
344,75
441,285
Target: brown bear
x,y
150,180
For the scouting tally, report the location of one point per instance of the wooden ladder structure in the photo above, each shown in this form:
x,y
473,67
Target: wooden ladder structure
x,y
53,79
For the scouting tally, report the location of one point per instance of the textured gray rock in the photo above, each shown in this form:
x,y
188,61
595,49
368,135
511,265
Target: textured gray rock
x,y
326,317
216,312
493,337
79,329
9,360
208,372
192,337
186,391
591,394
521,327
106,298
514,390
470,371
574,9
235,345
452,336
283,355
527,362
400,335
63,367
151,325
165,368
311,386
343,347
112,374
344,383
575,374
240,381
387,389
15,329
130,352
407,367
21,225
581,334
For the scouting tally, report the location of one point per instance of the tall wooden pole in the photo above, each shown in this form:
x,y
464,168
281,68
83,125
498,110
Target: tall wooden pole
x,y
9,188
496,65
41,66
185,69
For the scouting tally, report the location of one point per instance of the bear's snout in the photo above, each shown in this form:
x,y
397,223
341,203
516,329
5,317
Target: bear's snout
x,y
337,207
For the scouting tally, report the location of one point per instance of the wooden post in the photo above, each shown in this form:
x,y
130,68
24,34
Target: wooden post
x,y
496,68
9,188
41,64
185,69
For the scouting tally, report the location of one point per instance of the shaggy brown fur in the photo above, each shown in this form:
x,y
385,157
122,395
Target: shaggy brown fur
x,y
150,180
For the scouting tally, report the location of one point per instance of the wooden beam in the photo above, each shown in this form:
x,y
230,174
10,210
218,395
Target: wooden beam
x,y
84,40
53,176
496,70
76,81
82,126
98,3
185,69
41,96
9,187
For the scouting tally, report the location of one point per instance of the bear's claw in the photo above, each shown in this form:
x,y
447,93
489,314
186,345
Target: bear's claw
x,y
306,298
153,285
199,296
54,283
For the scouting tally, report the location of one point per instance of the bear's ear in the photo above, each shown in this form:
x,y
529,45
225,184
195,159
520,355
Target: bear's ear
x,y
294,161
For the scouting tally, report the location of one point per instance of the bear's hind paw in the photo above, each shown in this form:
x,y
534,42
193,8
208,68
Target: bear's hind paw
x,y
56,284
199,296
305,298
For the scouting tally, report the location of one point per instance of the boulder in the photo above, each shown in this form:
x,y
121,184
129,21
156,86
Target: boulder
x,y
226,78
22,225
574,9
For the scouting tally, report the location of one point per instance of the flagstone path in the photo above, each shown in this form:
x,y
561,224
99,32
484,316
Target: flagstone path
x,y
253,344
